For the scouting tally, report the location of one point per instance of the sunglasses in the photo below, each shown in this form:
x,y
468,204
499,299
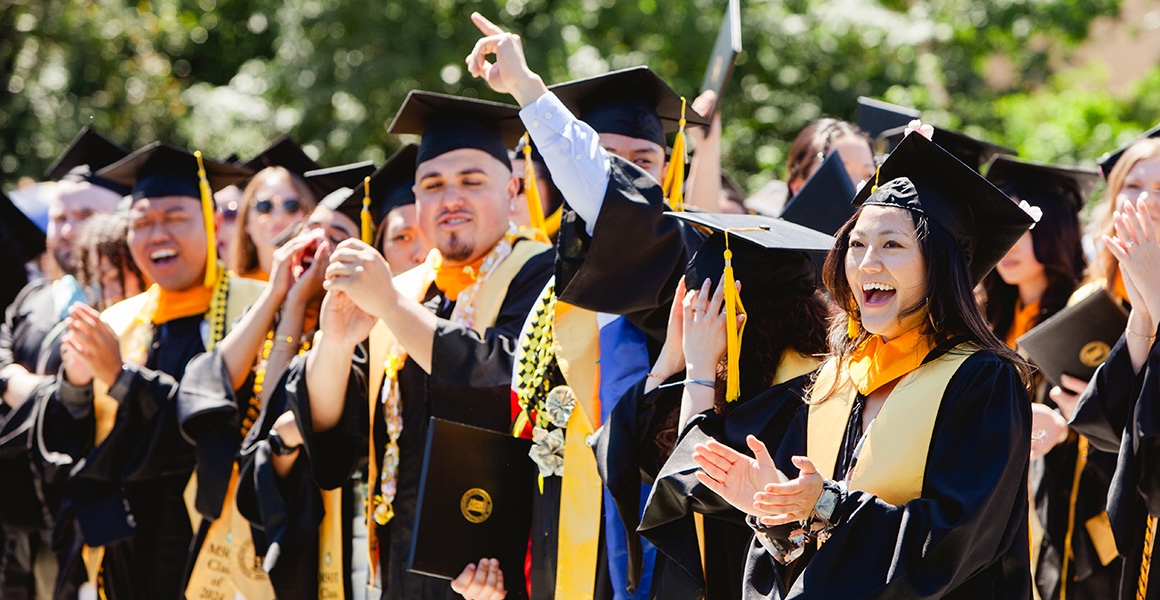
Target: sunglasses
x,y
289,205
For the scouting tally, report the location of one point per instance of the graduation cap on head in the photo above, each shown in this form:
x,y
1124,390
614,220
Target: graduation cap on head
x,y
286,153
923,177
1073,184
824,203
28,237
634,102
970,151
1109,160
368,200
769,257
159,170
331,179
876,116
452,123
88,153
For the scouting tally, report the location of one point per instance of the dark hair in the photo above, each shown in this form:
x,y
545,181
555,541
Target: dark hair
x,y
951,312
775,323
1056,242
812,145
108,235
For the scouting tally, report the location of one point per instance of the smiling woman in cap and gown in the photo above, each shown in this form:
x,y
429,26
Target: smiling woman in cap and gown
x,y
112,427
897,496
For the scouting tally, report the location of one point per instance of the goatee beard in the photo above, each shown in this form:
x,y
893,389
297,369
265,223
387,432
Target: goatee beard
x,y
457,250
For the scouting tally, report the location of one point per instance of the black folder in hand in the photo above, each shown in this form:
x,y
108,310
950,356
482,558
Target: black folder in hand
x,y
1077,339
475,501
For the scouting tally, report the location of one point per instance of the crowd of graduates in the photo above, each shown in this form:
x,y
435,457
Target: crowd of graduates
x,y
246,379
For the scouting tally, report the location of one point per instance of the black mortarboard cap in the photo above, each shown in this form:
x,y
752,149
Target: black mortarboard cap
x,y
633,102
390,186
1109,160
451,123
825,202
970,151
923,177
1073,184
28,237
88,153
286,153
159,169
769,255
876,116
331,179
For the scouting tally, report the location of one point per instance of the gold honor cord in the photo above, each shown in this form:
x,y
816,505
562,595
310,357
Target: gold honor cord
x,y
207,212
1068,552
367,227
673,186
1146,560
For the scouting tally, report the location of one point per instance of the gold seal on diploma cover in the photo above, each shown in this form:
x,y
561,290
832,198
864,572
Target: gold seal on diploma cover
x,y
475,505
1093,354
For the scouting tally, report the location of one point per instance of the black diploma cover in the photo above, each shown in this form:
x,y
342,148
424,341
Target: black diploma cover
x,y
1077,339
725,51
475,501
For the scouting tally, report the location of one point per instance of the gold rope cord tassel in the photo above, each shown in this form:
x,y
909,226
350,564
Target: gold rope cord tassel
x,y
733,308
1068,552
207,212
674,184
1146,560
531,190
367,227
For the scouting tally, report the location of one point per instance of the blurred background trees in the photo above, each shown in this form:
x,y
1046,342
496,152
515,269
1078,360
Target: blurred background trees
x,y
226,76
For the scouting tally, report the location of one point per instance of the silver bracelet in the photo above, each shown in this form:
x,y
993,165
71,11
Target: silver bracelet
x,y
709,384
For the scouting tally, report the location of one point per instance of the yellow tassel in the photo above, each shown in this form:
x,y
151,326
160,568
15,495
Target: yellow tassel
x,y
367,228
877,171
535,209
207,212
733,308
853,327
673,186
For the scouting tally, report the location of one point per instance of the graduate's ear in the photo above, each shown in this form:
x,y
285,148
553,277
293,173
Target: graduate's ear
x,y
513,189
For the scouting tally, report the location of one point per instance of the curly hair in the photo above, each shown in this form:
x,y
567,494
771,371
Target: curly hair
x,y
104,235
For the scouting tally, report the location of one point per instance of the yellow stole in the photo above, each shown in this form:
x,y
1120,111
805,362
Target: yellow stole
x,y
892,462
414,283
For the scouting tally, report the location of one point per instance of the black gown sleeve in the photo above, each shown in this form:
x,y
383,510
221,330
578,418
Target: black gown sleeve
x,y
208,418
966,537
471,375
1105,406
668,518
634,249
628,453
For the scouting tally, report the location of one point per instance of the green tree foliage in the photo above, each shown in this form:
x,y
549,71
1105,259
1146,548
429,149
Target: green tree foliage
x,y
227,76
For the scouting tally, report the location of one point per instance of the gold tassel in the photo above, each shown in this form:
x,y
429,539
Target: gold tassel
x,y
673,186
535,209
207,212
367,228
853,327
877,171
733,308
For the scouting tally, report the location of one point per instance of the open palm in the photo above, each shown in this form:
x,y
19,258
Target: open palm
x,y
735,476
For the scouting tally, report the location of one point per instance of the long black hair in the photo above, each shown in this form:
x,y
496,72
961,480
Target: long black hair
x,y
1057,243
951,312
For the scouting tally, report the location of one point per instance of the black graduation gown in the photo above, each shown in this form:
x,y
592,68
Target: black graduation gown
x,y
628,454
1052,478
965,538
1120,412
631,263
287,511
470,383
126,494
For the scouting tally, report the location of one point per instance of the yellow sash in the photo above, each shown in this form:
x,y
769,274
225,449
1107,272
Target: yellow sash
x,y
892,462
576,344
414,283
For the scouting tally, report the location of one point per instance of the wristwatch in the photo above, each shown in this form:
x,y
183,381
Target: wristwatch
x,y
278,446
